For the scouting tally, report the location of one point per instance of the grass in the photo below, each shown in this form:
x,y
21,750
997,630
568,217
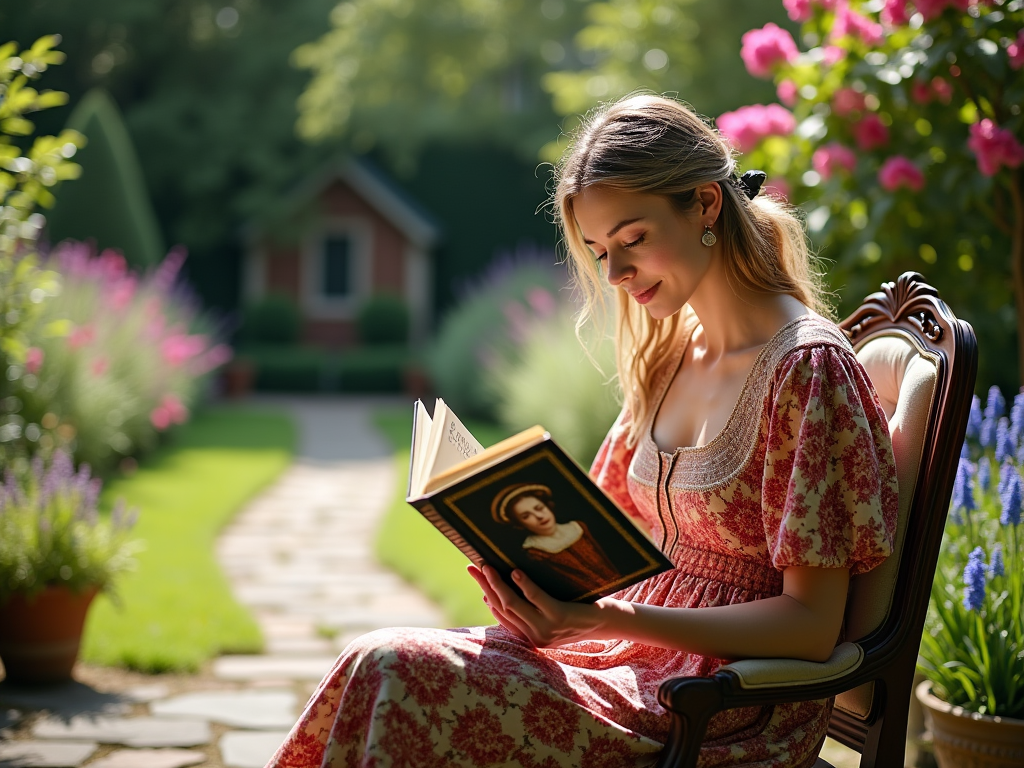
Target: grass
x,y
177,610
414,548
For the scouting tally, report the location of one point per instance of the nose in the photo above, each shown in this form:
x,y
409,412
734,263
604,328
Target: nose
x,y
618,266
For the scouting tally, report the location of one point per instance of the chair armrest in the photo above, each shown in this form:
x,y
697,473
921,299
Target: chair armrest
x,y
693,701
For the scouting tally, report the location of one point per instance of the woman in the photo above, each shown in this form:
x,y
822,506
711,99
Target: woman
x,y
567,550
751,445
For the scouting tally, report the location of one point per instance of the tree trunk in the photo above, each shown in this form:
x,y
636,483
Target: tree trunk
x,y
1017,260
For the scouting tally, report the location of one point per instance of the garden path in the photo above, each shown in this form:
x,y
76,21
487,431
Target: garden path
x,y
300,556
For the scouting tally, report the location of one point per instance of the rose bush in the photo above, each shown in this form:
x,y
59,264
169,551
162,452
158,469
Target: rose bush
x,y
900,131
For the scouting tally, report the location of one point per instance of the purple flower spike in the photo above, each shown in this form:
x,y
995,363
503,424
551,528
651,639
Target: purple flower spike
x,y
974,420
984,474
987,438
1011,501
996,566
1005,449
963,490
1017,416
996,404
974,580
1006,471
965,452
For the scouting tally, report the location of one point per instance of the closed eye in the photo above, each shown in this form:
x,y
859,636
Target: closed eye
x,y
634,243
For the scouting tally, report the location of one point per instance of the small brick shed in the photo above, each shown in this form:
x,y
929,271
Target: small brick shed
x,y
347,233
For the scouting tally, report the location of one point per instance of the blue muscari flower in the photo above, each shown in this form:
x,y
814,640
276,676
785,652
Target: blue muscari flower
x,y
974,420
996,404
984,474
1017,418
974,580
1020,454
1006,471
963,490
1005,449
1011,500
987,438
996,567
965,452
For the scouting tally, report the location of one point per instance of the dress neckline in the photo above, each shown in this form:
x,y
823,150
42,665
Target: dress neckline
x,y
711,445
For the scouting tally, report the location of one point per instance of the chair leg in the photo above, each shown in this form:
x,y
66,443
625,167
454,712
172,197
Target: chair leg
x,y
694,701
885,743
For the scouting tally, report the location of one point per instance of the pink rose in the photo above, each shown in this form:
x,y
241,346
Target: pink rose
x,y
942,89
931,9
764,48
34,357
834,53
1016,51
894,14
870,133
778,187
829,159
787,92
898,172
798,10
850,23
920,93
846,100
99,366
160,418
747,126
994,147
176,410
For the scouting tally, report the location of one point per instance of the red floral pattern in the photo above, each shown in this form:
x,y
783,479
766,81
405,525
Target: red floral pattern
x,y
814,484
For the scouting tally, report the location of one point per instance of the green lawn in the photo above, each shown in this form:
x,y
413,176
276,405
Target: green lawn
x,y
176,609
414,548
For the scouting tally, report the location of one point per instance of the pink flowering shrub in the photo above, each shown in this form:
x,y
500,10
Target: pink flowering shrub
x,y
117,359
906,148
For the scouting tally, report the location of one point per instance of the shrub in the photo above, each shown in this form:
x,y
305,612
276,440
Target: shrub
x,y
383,319
130,364
373,369
548,379
309,369
475,332
274,319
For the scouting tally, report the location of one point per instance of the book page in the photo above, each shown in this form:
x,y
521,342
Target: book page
x,y
488,458
421,426
450,442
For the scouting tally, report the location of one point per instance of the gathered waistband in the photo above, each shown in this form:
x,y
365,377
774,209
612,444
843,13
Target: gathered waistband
x,y
727,568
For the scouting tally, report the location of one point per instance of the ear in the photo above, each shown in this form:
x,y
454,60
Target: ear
x,y
710,198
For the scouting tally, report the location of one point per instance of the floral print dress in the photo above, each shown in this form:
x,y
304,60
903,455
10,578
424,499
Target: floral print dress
x,y
802,474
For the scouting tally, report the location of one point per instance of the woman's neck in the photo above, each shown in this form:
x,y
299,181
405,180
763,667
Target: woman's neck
x,y
735,318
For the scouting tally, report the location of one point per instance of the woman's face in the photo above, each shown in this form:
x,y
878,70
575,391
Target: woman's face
x,y
534,515
646,246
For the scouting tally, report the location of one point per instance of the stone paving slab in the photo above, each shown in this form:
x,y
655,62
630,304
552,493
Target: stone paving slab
x,y
128,731
276,667
240,709
149,758
240,749
45,754
66,699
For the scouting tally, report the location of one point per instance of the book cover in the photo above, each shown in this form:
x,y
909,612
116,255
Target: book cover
x,y
535,509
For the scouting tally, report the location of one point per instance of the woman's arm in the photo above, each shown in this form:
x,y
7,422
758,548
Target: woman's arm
x,y
801,623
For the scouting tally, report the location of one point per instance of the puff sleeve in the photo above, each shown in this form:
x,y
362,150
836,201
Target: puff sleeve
x,y
610,469
829,495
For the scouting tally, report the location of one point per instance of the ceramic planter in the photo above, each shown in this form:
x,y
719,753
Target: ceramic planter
x,y
968,740
39,638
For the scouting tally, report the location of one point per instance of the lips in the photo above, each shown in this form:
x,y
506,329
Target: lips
x,y
645,296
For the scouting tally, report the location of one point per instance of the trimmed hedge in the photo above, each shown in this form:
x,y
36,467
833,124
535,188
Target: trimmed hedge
x,y
309,369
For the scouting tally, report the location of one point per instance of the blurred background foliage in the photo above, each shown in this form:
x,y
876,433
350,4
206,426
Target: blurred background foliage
x,y
453,96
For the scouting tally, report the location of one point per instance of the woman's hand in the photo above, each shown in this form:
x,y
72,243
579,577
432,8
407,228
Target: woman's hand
x,y
541,619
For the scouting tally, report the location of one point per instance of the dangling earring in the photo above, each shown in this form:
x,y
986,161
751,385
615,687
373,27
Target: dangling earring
x,y
708,238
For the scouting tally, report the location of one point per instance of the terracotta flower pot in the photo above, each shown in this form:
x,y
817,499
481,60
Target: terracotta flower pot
x,y
39,638
968,740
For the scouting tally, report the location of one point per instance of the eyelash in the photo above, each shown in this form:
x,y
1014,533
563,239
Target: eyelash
x,y
633,244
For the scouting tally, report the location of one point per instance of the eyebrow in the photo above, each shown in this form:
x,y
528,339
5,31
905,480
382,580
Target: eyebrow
x,y
616,228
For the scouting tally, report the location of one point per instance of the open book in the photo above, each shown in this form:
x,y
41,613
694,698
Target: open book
x,y
524,503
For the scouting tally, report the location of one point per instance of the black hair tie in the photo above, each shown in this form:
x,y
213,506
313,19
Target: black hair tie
x,y
751,181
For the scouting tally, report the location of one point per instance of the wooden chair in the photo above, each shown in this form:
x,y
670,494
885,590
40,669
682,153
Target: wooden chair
x,y
923,362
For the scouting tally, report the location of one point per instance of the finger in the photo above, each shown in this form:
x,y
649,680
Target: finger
x,y
544,602
509,599
512,624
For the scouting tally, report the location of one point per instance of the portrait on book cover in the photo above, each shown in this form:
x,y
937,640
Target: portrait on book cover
x,y
535,514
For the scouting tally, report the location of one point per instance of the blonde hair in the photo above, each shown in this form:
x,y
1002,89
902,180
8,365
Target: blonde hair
x,y
658,146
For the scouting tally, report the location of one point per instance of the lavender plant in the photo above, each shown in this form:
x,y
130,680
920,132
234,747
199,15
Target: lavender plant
x,y
972,649
51,532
